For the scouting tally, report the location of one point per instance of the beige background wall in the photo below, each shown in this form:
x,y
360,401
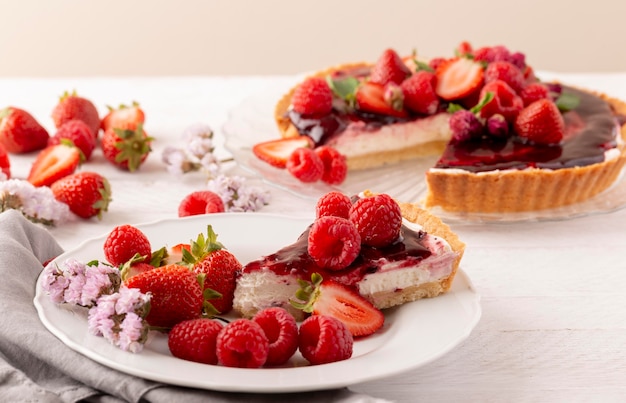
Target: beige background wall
x,y
196,37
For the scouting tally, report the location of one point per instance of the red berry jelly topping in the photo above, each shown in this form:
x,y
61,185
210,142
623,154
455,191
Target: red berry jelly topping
x,y
294,259
590,130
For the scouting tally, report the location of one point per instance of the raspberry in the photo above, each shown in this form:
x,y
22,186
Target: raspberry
x,y
534,92
323,339
506,72
436,62
378,219
123,242
518,59
334,242
505,101
242,344
200,202
335,166
465,126
419,93
195,340
333,204
305,165
497,126
281,331
313,97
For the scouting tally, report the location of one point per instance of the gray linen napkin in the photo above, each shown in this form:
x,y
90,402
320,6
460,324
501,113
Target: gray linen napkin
x,y
36,367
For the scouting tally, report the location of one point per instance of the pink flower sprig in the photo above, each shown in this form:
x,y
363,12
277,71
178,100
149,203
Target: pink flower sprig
x,y
120,318
80,284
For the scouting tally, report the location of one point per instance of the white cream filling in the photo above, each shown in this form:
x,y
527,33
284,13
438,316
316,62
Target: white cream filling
x,y
394,276
357,140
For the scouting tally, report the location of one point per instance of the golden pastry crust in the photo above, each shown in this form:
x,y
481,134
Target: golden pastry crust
x,y
524,190
434,226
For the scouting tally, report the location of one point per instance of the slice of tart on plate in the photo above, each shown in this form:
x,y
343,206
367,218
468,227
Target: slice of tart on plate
x,y
505,141
418,260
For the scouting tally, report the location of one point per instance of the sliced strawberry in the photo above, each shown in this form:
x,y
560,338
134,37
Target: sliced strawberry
x,y
329,298
458,78
277,152
370,97
389,69
53,163
541,122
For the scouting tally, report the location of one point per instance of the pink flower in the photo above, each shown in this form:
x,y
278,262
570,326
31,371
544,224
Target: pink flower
x,y
119,318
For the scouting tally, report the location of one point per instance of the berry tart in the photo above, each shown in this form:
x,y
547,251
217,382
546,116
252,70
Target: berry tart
x,y
388,252
505,141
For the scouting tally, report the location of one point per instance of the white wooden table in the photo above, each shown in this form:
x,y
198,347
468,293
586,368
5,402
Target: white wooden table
x,y
553,327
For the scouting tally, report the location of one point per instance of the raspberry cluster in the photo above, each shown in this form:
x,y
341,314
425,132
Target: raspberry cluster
x,y
269,339
342,226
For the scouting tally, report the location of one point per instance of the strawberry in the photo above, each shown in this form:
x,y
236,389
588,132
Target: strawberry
x,y
200,202
207,256
323,339
505,101
123,117
126,148
86,193
329,298
20,132
5,163
458,77
78,133
195,340
419,93
541,122
389,68
53,163
124,242
176,294
72,106
313,97
371,97
277,152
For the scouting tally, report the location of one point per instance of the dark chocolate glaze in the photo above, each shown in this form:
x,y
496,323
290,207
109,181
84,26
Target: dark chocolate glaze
x,y
294,259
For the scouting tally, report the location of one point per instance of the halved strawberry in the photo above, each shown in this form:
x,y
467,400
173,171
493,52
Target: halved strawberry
x,y
327,297
458,78
53,163
370,97
277,152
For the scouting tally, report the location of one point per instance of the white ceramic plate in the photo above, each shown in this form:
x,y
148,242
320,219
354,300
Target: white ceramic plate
x,y
252,122
413,335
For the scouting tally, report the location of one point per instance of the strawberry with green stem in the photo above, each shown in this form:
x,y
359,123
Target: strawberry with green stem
x,y
126,148
207,256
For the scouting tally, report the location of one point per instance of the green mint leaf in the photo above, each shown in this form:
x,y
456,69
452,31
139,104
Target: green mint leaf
x,y
566,102
344,88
